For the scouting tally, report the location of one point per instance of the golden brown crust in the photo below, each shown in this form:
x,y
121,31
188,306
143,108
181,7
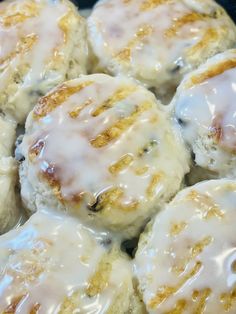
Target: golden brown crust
x,y
183,20
12,15
121,94
57,97
24,44
166,292
151,4
143,32
211,72
119,127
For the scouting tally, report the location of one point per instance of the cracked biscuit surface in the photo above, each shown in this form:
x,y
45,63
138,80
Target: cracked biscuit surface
x,y
186,259
101,148
43,43
157,42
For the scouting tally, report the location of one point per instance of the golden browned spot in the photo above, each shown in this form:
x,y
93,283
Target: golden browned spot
x,y
180,22
111,199
200,297
126,1
141,171
36,149
206,204
24,45
116,130
176,229
14,15
125,53
155,180
216,130
50,175
100,279
200,246
210,36
35,309
166,292
212,71
14,19
76,112
228,299
56,98
15,302
151,4
121,164
179,308
194,251
233,266
119,95
65,24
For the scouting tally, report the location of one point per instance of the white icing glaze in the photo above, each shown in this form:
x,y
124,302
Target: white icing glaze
x,y
35,48
50,258
208,109
44,25
207,215
212,100
160,35
84,169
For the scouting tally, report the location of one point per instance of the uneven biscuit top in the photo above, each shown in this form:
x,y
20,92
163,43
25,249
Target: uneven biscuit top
x,y
32,36
103,141
151,38
45,262
205,103
186,262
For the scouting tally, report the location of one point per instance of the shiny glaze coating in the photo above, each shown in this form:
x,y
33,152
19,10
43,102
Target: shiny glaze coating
x,y
186,260
157,41
105,149
37,50
205,107
53,264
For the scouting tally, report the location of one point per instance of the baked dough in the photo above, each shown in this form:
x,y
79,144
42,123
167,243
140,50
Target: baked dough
x,y
103,149
186,260
53,264
157,41
42,44
205,107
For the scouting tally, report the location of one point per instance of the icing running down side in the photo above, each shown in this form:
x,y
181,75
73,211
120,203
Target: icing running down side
x,y
47,260
187,259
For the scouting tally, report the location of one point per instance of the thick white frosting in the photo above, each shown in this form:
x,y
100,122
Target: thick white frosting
x,y
50,258
187,259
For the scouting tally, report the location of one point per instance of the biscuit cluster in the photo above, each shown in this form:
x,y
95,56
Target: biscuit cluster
x,y
117,158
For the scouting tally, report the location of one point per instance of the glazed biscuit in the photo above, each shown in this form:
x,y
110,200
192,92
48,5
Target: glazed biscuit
x,y
43,43
101,148
186,259
205,108
53,264
157,42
